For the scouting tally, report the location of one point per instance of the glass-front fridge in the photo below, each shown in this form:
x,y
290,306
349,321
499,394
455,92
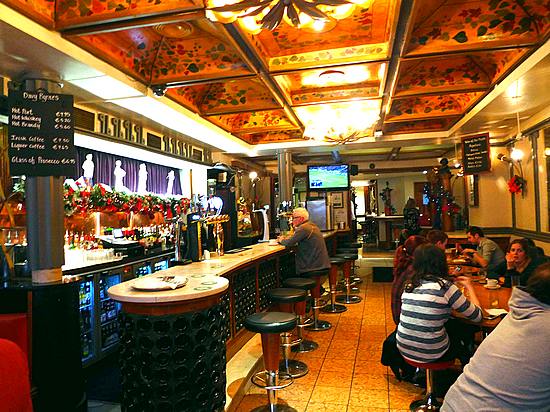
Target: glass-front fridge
x,y
108,310
87,315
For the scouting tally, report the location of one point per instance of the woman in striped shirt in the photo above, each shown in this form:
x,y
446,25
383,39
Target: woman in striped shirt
x,y
426,306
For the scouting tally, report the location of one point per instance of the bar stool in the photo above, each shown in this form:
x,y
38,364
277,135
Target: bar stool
x,y
270,325
353,280
287,299
305,284
332,307
318,324
348,298
429,402
353,245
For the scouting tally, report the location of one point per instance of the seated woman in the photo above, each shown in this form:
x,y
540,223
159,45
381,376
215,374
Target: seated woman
x,y
521,260
402,272
426,307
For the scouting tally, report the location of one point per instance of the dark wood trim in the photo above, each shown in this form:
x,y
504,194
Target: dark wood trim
x,y
237,342
171,308
533,137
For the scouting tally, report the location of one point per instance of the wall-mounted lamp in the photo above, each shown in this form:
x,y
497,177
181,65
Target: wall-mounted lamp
x,y
517,184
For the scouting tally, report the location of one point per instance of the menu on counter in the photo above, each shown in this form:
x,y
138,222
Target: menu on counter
x,y
476,154
41,134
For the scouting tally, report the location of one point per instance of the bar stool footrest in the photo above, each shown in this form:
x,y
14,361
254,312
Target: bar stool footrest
x,y
285,379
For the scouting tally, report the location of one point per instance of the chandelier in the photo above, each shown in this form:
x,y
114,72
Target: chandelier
x,y
256,15
339,123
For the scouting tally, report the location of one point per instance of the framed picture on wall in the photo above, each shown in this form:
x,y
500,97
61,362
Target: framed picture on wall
x,y
337,199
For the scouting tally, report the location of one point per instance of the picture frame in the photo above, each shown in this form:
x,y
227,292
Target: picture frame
x,y
337,199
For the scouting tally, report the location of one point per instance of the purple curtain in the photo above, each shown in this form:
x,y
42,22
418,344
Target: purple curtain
x,y
104,165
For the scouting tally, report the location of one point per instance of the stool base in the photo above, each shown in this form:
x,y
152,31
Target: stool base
x,y
330,308
319,325
294,368
348,299
429,403
305,346
274,408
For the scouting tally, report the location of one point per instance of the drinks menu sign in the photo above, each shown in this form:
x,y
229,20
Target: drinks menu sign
x,y
476,154
41,134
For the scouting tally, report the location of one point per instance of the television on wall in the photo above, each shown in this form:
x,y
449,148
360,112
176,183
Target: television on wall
x,y
328,177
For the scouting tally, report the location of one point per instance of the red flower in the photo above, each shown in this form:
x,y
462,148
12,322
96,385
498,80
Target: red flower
x,y
516,184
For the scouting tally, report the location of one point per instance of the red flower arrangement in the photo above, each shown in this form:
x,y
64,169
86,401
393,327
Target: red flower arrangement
x,y
516,184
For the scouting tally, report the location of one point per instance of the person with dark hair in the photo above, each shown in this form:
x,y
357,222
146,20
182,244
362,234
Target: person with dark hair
x,y
438,238
510,370
426,307
410,217
537,250
521,261
402,272
488,254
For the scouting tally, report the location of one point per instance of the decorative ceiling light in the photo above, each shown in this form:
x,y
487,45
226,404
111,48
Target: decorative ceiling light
x,y
339,123
256,15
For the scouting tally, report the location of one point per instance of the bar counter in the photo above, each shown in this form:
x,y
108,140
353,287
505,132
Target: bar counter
x,y
175,343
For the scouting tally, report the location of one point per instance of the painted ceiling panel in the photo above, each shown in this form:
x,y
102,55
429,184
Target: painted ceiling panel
x,y
454,73
411,108
273,137
41,11
332,84
441,26
419,126
253,122
73,13
157,55
236,96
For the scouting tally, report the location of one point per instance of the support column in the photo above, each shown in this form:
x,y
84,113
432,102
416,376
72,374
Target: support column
x,y
44,204
284,164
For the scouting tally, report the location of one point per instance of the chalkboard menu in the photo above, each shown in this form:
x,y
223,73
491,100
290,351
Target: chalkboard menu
x,y
476,154
41,134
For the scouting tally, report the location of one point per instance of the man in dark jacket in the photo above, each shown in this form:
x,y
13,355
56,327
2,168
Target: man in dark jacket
x,y
311,252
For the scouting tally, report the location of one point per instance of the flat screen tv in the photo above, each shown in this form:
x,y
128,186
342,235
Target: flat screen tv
x,y
328,177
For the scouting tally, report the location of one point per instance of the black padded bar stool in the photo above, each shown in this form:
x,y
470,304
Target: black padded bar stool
x,y
332,307
306,284
348,298
318,324
353,279
270,325
287,299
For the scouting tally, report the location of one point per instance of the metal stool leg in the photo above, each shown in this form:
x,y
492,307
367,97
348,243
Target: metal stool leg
x,y
293,367
430,402
332,307
318,324
304,345
348,298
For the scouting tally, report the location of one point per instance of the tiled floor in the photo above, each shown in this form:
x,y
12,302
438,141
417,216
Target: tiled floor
x,y
345,373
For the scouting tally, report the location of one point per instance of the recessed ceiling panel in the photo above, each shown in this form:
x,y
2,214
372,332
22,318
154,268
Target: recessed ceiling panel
x,y
412,108
337,83
419,126
72,13
453,73
364,36
159,55
441,26
253,122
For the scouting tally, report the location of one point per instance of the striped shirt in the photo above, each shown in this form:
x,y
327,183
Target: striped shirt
x,y
421,334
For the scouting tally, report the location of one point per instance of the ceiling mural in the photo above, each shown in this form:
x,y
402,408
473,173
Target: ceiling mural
x,y
263,86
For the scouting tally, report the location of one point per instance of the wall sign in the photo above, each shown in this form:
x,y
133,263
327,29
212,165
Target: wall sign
x,y
476,154
41,134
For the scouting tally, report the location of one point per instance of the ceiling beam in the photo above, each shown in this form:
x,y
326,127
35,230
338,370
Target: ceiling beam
x,y
133,23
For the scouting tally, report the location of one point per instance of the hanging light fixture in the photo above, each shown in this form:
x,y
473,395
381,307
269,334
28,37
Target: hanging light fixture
x,y
339,123
256,15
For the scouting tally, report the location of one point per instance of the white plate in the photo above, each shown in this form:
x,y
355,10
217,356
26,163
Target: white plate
x,y
156,283
491,287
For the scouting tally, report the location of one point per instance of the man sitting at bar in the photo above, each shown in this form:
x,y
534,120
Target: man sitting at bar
x,y
510,370
311,253
488,254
